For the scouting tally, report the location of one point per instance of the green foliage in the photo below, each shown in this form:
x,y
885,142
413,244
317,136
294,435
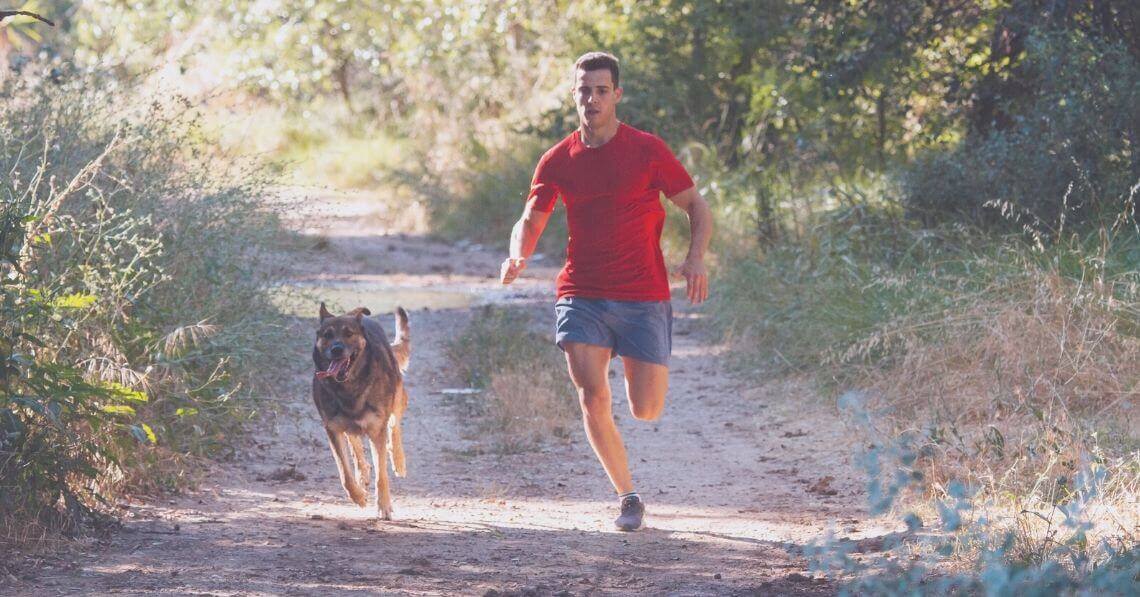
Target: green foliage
x,y
133,310
486,205
1066,158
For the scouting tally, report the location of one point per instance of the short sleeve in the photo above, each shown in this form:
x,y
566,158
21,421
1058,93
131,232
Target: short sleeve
x,y
669,176
542,187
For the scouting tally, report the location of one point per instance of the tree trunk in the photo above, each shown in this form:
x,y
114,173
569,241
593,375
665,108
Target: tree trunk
x,y
341,77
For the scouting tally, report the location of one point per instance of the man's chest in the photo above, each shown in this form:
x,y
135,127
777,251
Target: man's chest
x,y
613,177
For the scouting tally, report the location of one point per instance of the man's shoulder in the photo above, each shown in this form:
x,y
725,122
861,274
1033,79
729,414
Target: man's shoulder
x,y
648,143
561,146
557,152
642,137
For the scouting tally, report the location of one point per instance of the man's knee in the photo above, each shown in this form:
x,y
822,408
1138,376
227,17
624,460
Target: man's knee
x,y
647,408
594,401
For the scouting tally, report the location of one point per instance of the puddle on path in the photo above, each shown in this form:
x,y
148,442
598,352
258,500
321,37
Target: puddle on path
x,y
302,300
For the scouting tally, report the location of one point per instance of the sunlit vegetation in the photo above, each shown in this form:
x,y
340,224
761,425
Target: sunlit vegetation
x,y
930,202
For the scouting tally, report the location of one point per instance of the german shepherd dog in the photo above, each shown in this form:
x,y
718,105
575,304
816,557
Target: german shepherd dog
x,y
359,392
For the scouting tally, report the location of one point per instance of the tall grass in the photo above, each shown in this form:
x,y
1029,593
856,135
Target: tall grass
x,y
526,396
134,313
1007,363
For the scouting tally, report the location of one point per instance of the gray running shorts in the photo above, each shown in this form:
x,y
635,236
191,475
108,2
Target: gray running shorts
x,y
639,329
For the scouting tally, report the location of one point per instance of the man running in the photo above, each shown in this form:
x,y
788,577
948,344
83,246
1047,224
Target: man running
x,y
613,292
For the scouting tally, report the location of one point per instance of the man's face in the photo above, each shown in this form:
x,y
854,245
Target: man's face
x,y
596,97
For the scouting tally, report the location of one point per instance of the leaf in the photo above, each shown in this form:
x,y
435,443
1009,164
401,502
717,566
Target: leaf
x,y
35,405
124,393
76,300
148,433
186,412
142,433
118,409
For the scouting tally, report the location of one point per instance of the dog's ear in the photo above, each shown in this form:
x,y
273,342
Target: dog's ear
x,y
325,312
361,312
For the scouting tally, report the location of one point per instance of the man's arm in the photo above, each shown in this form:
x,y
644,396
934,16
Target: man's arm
x,y
524,238
700,231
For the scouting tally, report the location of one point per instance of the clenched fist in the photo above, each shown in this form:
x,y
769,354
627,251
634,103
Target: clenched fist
x,y
511,268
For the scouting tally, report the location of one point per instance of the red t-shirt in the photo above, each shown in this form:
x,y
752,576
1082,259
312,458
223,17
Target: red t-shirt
x,y
613,212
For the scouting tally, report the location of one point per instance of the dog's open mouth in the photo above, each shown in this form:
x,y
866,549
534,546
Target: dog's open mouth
x,y
338,369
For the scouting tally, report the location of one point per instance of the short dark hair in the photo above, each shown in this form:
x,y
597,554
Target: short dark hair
x,y
597,61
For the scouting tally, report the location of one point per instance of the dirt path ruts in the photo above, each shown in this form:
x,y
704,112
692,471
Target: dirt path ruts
x,y
731,475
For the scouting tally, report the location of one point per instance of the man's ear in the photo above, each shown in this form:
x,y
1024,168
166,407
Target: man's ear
x,y
618,92
325,312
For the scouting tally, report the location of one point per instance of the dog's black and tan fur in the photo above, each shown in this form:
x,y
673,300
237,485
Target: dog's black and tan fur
x,y
359,392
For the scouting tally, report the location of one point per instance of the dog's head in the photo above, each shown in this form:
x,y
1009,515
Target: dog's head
x,y
340,342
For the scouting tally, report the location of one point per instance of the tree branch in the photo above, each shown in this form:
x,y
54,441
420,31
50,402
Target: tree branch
x,y
13,13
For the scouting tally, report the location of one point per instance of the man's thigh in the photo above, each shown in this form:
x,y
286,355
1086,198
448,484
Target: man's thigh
x,y
646,384
642,330
589,366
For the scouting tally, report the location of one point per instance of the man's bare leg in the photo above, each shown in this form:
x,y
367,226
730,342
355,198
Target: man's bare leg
x,y
589,367
645,384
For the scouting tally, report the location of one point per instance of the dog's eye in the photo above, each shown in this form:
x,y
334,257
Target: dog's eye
x,y
348,333
328,335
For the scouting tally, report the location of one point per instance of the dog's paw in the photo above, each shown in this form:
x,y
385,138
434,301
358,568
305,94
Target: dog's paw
x,y
386,514
359,496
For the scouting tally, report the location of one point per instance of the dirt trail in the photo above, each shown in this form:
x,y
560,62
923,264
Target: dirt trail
x,y
735,476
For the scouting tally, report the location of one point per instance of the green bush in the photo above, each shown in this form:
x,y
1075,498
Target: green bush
x,y
133,311
481,201
1067,157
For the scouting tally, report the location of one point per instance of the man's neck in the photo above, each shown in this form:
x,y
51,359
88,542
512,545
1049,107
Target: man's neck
x,y
596,137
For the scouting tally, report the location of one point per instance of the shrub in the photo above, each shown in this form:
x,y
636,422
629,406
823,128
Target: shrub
x,y
1007,363
481,201
1068,156
133,313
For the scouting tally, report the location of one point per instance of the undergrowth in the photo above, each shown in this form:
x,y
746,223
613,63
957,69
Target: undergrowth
x,y
1006,364
525,396
134,312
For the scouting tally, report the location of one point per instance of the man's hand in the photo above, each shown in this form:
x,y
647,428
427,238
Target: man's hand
x,y
511,268
696,279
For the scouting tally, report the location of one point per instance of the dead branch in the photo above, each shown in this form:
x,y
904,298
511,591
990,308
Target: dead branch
x,y
23,13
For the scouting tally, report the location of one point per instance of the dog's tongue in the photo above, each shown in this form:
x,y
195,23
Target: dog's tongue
x,y
335,369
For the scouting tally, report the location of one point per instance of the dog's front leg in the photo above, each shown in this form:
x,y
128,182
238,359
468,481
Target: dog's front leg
x,y
347,477
379,441
363,470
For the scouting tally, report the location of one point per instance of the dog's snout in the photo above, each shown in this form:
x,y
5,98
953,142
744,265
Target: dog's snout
x,y
337,350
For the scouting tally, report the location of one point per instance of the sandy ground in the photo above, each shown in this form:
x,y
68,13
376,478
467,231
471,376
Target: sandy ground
x,y
737,477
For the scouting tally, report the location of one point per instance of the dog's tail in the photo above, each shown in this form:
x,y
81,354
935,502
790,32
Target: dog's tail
x,y
402,343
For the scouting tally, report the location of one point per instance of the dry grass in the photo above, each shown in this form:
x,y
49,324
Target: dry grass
x,y
526,408
1049,347
1003,365
1020,395
527,398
